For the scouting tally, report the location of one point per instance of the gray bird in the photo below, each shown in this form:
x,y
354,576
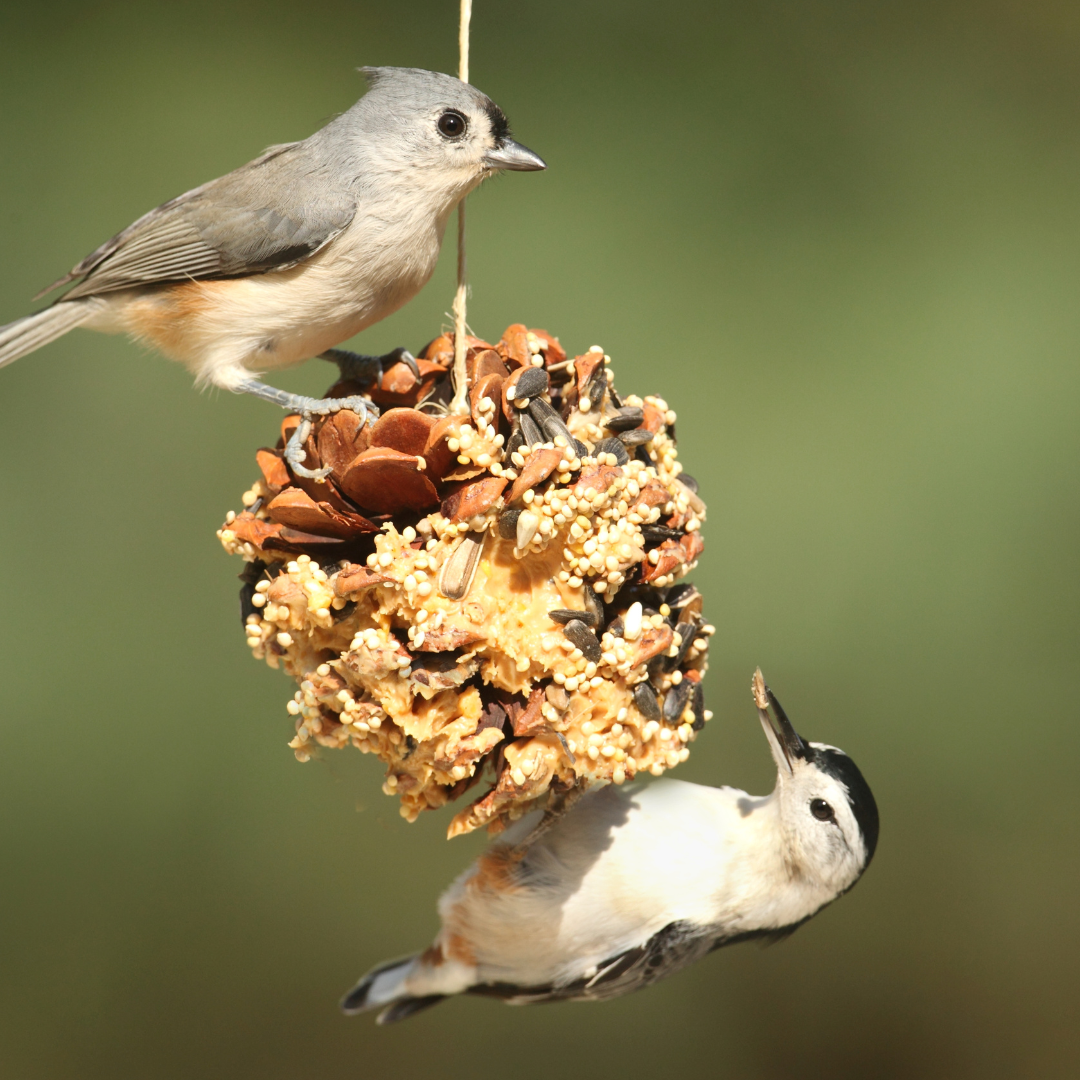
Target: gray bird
x,y
633,884
308,244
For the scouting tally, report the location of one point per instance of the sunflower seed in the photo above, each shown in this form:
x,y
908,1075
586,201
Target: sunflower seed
x,y
457,573
592,603
514,443
565,615
626,419
654,534
530,430
612,446
646,703
656,668
580,449
596,387
681,595
532,382
577,633
688,630
697,703
508,524
676,700
637,437
688,481
551,423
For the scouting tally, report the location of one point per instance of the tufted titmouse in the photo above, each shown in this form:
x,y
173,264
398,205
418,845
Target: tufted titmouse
x,y
632,884
298,250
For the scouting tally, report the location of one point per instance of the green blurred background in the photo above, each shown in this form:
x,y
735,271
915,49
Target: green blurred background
x,y
841,240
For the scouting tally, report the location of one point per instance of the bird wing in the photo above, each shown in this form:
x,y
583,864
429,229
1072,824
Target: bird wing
x,y
267,215
676,946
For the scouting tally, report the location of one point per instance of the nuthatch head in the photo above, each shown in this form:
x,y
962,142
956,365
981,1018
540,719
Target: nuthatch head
x,y
827,812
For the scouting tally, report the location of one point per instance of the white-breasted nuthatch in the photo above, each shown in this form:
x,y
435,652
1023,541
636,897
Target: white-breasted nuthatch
x,y
310,243
632,884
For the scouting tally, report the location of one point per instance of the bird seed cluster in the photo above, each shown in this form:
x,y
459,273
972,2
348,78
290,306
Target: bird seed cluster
x,y
492,595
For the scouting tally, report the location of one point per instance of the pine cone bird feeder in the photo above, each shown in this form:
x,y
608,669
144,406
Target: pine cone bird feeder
x,y
495,595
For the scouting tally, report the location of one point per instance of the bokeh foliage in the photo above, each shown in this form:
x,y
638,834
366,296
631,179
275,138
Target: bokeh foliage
x,y
841,239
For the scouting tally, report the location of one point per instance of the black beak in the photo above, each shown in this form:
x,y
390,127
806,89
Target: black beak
x,y
512,155
786,743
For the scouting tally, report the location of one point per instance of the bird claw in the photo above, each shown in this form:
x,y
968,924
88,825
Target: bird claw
x,y
294,448
403,356
368,369
307,408
295,452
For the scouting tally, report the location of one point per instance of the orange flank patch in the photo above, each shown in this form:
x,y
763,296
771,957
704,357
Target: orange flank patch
x,y
457,948
450,946
432,956
495,870
164,317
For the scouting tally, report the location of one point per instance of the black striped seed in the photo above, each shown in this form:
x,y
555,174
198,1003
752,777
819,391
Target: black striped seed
x,y
514,443
688,630
612,446
549,421
532,382
676,700
697,703
530,430
654,534
626,419
646,703
637,437
577,633
566,615
681,595
597,387
592,603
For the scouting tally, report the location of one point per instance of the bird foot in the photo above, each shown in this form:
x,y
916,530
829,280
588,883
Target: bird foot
x,y
368,369
308,408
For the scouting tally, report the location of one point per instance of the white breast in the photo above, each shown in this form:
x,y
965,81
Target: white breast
x,y
611,874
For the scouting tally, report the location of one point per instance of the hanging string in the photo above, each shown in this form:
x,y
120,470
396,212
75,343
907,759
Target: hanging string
x,y
459,405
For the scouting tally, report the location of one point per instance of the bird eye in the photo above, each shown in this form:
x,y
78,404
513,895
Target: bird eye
x,y
822,810
452,124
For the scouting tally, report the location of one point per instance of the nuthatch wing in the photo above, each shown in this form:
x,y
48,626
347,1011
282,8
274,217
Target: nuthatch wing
x,y
308,244
632,884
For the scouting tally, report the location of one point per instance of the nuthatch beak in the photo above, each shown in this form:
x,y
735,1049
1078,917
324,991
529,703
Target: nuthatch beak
x,y
784,741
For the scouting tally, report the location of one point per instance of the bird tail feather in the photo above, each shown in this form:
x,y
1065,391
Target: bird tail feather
x,y
32,332
386,986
